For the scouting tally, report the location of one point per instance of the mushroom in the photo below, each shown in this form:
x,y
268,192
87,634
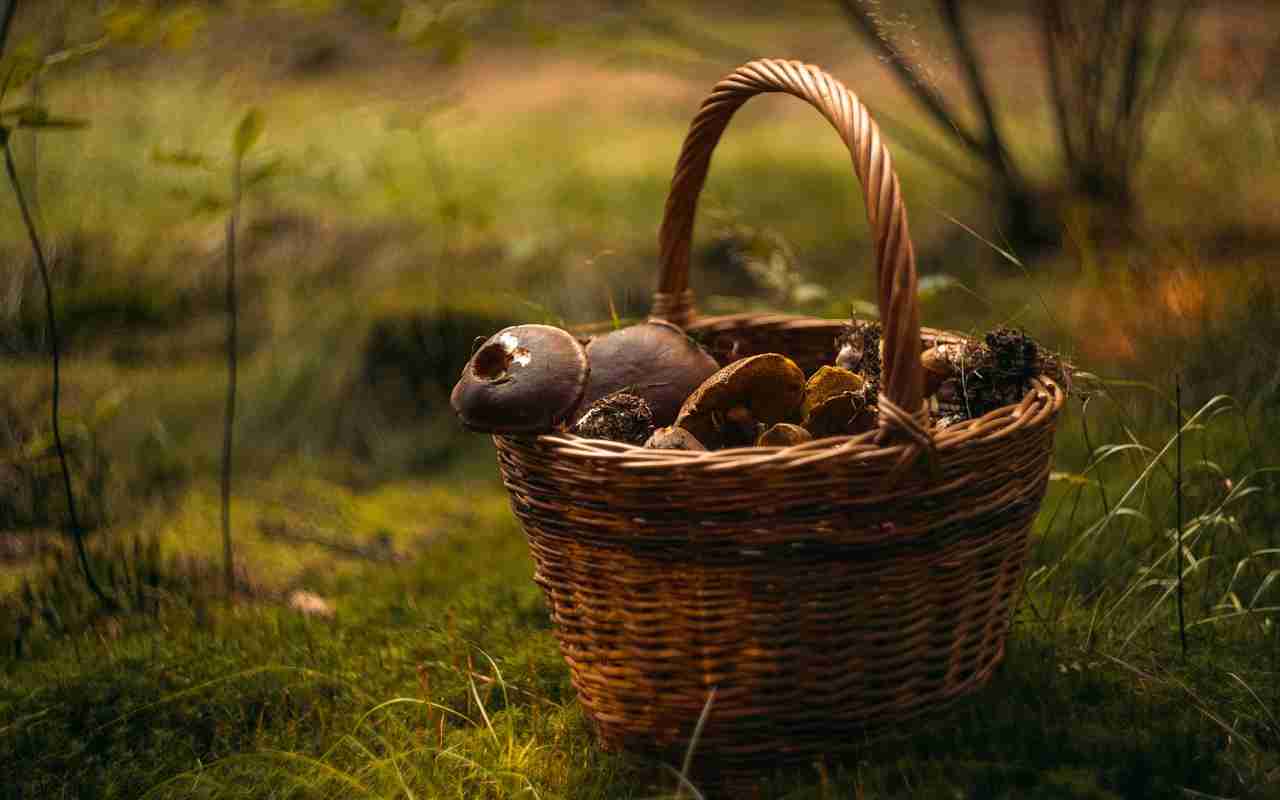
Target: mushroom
x,y
654,360
621,417
784,434
860,348
835,403
730,406
524,379
985,375
940,362
673,438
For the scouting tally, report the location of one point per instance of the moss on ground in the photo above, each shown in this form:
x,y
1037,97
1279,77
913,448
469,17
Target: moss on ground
x,y
416,208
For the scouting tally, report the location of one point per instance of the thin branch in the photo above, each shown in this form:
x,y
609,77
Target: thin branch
x,y
910,137
1170,55
1094,71
77,531
1051,23
927,97
6,18
1270,72
997,153
228,427
1137,54
1126,131
34,166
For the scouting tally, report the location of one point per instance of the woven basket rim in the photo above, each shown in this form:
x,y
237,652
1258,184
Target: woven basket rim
x,y
1044,399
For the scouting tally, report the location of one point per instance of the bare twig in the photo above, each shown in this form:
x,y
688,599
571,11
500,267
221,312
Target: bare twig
x,y
378,551
77,531
228,428
984,141
1094,69
1136,55
926,96
1051,23
911,138
1171,51
997,153
6,18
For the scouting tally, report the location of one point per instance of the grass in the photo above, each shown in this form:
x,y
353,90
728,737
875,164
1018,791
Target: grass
x,y
440,678
416,208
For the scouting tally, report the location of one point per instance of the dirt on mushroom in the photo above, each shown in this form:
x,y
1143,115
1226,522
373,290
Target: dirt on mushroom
x,y
728,407
620,417
523,379
835,403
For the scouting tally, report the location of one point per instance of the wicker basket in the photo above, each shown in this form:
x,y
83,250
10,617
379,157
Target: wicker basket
x,y
822,590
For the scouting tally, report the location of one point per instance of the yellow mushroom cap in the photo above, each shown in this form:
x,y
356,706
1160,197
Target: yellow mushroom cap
x,y
784,434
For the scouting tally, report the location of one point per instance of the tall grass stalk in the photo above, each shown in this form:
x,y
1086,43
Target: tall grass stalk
x,y
247,132
1177,492
229,417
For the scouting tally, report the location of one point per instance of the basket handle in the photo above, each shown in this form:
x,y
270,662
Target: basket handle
x,y
903,379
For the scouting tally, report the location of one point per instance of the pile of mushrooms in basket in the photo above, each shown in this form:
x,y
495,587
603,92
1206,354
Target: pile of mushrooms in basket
x,y
654,386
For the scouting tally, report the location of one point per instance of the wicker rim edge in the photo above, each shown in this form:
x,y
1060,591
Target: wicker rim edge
x,y
1038,406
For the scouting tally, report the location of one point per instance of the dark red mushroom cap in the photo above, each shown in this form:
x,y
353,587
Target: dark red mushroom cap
x,y
654,360
524,379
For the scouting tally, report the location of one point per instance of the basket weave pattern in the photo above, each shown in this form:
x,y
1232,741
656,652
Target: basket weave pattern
x,y
823,589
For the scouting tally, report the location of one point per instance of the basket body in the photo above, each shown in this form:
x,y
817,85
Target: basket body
x,y
819,600
798,596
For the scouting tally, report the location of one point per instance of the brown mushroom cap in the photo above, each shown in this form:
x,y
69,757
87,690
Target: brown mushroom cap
x,y
654,360
524,379
770,386
673,438
828,382
835,403
784,434
940,362
838,415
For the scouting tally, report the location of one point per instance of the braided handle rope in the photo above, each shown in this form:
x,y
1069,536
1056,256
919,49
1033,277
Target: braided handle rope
x,y
895,258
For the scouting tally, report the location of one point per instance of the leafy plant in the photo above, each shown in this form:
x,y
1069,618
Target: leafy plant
x,y
38,118
246,135
33,475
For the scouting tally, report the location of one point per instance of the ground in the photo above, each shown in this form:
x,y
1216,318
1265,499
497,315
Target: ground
x,y
417,201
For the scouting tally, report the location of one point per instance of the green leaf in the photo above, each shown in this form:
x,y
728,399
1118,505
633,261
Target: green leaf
x,y
108,406
39,445
73,53
261,173
187,159
209,203
17,111
1073,478
30,115
247,132
49,122
18,69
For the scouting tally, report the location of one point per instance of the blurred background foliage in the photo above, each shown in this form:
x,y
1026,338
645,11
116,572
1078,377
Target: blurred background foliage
x,y
430,171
